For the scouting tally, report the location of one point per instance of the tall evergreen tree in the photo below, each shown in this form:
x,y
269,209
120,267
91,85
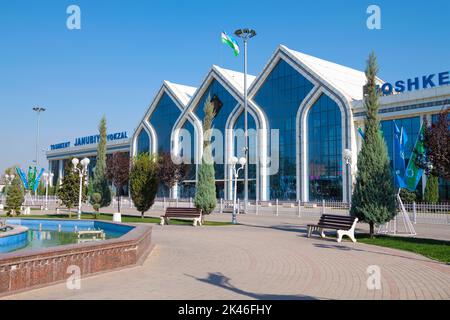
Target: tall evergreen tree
x,y
374,198
100,182
69,190
205,197
144,182
15,197
431,194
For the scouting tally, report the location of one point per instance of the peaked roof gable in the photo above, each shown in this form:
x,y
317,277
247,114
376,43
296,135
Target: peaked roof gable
x,y
348,81
182,92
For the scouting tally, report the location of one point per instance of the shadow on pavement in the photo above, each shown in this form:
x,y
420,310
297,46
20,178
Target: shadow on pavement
x,y
219,280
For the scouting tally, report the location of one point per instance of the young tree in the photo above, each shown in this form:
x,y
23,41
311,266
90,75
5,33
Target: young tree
x,y
437,144
96,200
431,194
374,199
118,172
144,182
15,197
170,173
69,190
100,183
205,197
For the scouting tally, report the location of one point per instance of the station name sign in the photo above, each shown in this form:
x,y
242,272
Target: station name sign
x,y
423,82
90,140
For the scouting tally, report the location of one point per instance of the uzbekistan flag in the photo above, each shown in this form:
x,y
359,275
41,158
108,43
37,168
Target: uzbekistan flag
x,y
230,42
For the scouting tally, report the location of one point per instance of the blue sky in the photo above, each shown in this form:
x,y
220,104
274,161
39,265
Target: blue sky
x,y
115,64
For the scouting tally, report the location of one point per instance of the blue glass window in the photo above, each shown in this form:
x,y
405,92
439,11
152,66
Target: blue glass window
x,y
143,142
187,186
162,120
228,104
325,150
239,152
280,97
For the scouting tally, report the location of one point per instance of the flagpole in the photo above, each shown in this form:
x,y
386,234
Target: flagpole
x,y
245,34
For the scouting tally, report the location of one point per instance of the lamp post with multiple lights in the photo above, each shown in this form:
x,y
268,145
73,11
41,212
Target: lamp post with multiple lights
x,y
38,110
82,173
234,161
245,35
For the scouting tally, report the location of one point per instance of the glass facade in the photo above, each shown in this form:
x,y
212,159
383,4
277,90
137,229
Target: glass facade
x,y
219,123
324,142
54,168
162,120
187,187
280,97
143,142
238,130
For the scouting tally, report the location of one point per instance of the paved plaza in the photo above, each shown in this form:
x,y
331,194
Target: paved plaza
x,y
263,258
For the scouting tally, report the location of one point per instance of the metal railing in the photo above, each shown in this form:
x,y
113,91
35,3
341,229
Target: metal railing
x,y
418,212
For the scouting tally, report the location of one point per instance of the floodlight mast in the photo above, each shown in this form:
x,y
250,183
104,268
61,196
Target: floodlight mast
x,y
245,35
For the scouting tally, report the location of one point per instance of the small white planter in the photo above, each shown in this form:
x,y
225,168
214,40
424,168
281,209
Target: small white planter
x,y
117,217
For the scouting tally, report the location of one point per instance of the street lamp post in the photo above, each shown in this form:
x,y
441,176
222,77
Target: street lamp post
x,y
234,161
47,178
245,35
347,154
82,172
38,110
8,181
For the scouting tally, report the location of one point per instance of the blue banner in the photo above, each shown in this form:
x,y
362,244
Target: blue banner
x,y
400,139
23,178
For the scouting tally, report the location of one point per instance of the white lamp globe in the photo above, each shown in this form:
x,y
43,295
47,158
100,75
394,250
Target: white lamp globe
x,y
234,160
75,162
242,161
85,162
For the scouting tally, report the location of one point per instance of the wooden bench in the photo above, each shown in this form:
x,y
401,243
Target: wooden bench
x,y
344,225
182,213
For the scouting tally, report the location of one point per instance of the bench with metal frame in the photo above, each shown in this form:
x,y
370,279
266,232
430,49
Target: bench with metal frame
x,y
344,225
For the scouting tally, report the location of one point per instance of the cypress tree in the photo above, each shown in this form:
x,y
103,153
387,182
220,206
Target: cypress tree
x,y
205,197
15,197
431,194
100,182
374,198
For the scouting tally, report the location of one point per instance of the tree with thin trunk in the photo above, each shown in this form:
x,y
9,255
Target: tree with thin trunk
x,y
100,183
437,145
170,172
144,182
14,197
118,173
374,198
205,197
69,190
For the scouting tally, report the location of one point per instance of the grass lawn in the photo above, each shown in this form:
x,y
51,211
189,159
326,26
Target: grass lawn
x,y
433,249
125,219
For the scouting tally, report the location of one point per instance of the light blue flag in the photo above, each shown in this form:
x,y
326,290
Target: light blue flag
x,y
399,156
38,179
